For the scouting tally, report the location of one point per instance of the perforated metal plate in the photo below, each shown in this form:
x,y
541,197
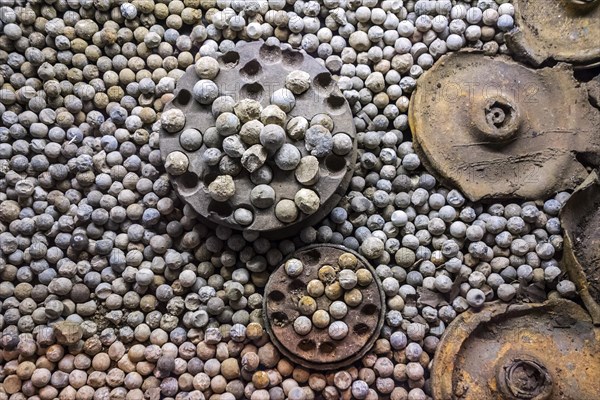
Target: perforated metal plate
x,y
255,70
317,350
559,30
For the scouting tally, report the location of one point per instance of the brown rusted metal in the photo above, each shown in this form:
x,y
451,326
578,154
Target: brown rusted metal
x,y
546,351
559,30
499,130
255,70
317,350
580,218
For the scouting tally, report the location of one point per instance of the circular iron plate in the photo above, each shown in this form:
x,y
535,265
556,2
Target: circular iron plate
x,y
509,352
255,70
317,350
499,130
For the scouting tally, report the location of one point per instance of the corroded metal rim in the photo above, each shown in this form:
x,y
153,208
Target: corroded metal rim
x,y
497,129
316,350
582,203
519,351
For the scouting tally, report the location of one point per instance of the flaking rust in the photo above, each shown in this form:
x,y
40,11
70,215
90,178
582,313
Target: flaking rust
x,y
499,130
558,30
543,351
580,218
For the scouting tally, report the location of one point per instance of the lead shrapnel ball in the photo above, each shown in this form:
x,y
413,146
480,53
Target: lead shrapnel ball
x,y
324,307
260,138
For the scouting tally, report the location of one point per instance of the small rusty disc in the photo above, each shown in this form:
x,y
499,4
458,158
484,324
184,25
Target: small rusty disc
x,y
559,30
499,130
317,350
580,218
254,70
543,351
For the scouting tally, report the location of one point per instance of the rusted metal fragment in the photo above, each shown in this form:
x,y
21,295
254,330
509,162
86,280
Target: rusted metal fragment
x,y
593,88
317,350
580,218
559,30
255,70
499,130
543,351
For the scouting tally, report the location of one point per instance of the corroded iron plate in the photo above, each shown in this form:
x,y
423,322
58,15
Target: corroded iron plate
x,y
559,30
499,130
255,70
508,352
317,350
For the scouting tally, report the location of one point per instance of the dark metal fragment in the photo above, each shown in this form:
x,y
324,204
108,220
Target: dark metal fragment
x,y
255,70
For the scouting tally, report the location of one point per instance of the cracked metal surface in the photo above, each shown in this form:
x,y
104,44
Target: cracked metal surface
x,y
255,70
580,218
317,350
558,30
499,130
509,352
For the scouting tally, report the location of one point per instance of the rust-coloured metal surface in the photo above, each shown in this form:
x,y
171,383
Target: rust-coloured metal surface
x,y
559,30
580,218
255,70
547,351
499,130
317,350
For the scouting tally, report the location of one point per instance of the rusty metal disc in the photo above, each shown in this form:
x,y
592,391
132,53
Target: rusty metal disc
x,y
317,350
580,218
254,70
511,352
559,30
497,129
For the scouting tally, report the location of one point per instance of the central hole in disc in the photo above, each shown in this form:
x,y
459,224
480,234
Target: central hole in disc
x,y
498,115
527,379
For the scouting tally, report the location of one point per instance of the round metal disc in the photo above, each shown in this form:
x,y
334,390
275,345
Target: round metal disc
x,y
317,350
559,30
511,352
497,129
255,70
